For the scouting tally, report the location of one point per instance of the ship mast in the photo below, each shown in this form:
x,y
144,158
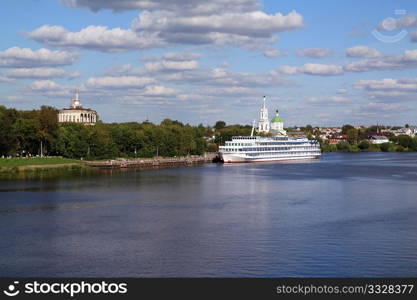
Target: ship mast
x,y
253,127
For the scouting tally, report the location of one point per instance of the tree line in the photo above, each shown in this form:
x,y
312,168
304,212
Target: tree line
x,y
357,140
26,132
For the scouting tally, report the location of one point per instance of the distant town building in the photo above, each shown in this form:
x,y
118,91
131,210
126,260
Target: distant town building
x,y
378,139
77,114
410,131
338,138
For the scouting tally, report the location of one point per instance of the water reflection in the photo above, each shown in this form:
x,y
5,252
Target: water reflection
x,y
342,215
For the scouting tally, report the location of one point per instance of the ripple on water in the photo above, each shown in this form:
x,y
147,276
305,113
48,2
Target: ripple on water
x,y
343,215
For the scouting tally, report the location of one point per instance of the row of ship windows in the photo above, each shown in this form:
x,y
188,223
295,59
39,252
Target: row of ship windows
x,y
267,144
238,144
288,143
283,153
272,149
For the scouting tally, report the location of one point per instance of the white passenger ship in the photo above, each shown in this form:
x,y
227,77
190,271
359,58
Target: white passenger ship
x,y
263,148
258,148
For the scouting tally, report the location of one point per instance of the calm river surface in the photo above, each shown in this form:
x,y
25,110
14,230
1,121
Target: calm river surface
x,y
342,215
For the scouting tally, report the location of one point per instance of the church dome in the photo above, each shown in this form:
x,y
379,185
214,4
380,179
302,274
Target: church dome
x,y
277,119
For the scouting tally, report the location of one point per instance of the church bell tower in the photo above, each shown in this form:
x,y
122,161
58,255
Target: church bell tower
x,y
263,125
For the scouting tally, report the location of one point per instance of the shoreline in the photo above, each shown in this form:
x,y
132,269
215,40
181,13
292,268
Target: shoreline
x,y
27,164
137,163
117,163
5,170
153,163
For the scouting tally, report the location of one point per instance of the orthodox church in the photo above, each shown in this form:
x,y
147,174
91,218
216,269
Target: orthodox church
x,y
276,126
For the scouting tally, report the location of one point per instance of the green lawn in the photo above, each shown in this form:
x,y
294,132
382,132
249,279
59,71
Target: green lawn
x,y
17,162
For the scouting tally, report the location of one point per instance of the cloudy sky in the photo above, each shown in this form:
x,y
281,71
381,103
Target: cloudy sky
x,y
318,62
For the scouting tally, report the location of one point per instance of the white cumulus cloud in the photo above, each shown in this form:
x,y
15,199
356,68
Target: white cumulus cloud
x,y
49,88
253,24
406,61
158,90
39,73
363,52
167,65
219,22
188,6
314,52
393,89
273,52
312,69
121,82
96,37
410,55
330,100
28,58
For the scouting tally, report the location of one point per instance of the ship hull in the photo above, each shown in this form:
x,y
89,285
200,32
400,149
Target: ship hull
x,y
235,158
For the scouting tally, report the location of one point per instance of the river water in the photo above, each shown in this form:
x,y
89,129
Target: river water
x,y
342,215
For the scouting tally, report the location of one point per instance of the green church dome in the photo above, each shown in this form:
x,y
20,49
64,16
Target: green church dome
x,y
277,119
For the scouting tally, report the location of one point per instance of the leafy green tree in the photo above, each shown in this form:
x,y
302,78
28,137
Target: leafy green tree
x,y
212,148
400,148
228,132
308,129
48,125
8,140
220,125
385,147
364,145
125,138
99,143
27,133
72,140
407,142
353,136
343,146
326,147
346,128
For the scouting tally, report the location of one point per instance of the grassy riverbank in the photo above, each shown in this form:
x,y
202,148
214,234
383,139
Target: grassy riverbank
x,y
45,168
50,166
35,164
36,161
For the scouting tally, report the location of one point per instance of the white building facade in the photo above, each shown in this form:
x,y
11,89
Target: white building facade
x,y
263,125
378,139
276,126
77,114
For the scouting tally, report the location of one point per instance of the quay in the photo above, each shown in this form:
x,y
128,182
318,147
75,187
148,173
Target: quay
x,y
153,163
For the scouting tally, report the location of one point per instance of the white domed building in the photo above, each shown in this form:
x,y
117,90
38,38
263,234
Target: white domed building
x,y
277,125
77,114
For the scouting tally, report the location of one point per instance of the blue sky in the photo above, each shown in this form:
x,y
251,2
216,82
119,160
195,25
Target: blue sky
x,y
324,63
